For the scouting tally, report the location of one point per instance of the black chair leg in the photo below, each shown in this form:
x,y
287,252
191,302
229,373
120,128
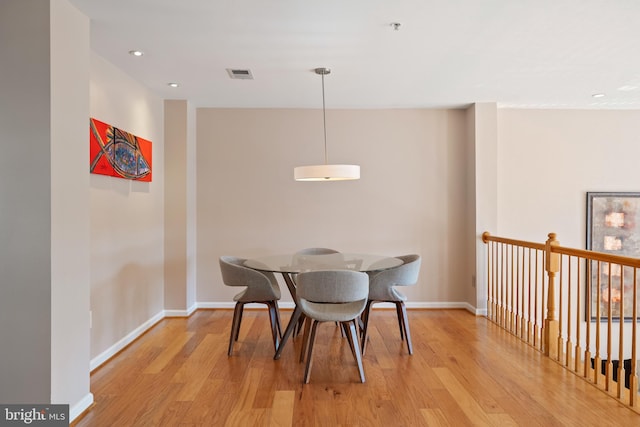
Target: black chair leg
x,y
342,330
275,326
405,325
240,313
288,331
345,328
312,339
356,348
305,339
399,314
235,326
365,327
278,318
299,325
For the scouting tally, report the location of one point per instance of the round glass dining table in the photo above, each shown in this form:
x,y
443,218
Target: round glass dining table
x,y
291,264
298,263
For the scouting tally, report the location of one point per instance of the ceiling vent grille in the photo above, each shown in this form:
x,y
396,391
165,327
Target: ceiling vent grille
x,y
236,73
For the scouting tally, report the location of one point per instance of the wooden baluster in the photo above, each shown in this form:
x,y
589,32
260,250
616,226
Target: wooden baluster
x,y
587,297
529,324
568,350
551,323
609,368
561,287
578,349
621,371
512,288
498,282
535,302
597,370
521,316
503,285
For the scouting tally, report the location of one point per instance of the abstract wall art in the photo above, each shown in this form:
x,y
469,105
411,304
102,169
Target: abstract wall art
x,y
613,226
118,153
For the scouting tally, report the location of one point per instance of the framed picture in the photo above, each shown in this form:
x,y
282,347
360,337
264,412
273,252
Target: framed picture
x,y
613,226
115,152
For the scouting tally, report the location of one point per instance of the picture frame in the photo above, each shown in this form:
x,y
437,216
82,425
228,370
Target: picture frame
x,y
613,226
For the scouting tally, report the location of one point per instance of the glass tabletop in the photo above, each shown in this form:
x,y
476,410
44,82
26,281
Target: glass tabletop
x,y
298,263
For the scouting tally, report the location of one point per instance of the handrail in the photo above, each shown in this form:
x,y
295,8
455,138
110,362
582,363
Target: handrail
x,y
594,255
526,279
487,237
599,256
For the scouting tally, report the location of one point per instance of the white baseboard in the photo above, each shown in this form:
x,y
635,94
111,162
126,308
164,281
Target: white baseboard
x,y
125,341
181,313
480,311
290,305
79,407
231,305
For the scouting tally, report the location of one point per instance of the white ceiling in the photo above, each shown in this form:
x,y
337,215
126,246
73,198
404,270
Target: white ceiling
x,y
447,53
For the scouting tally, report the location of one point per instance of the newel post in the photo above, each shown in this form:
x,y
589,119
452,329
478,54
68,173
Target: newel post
x,y
551,329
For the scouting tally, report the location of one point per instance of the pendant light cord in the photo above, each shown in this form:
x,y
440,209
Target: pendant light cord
x,y
324,122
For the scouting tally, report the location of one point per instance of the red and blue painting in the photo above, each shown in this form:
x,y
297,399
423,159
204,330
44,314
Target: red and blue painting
x,y
117,153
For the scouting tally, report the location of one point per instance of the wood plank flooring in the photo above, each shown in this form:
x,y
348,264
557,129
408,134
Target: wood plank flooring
x,y
465,371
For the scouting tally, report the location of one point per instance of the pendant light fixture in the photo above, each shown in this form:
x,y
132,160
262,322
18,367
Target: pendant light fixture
x,y
326,172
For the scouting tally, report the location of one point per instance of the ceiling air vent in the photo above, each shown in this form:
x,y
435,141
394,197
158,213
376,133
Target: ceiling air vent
x,y
235,73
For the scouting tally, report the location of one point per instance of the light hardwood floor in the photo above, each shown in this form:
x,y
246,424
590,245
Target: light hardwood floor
x,y
465,371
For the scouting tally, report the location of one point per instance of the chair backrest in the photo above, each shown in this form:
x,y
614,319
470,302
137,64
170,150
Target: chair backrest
x,y
261,286
317,259
316,251
332,286
406,274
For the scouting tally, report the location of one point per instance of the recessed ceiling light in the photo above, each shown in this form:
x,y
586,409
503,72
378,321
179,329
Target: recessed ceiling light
x,y
136,52
598,95
628,87
173,84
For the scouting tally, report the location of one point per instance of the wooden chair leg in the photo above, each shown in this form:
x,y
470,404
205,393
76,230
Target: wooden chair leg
x,y
365,327
312,339
299,325
273,319
235,326
241,311
305,339
356,348
399,314
275,302
288,331
344,327
405,325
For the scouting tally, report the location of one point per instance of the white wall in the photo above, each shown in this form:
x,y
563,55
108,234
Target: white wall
x,y
410,199
179,208
549,159
69,208
127,217
25,203
485,196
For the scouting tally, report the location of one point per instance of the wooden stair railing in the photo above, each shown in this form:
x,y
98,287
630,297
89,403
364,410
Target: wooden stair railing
x,y
565,302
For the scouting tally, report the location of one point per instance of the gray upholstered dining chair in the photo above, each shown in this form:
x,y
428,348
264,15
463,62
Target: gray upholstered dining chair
x,y
382,289
303,253
333,296
261,287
